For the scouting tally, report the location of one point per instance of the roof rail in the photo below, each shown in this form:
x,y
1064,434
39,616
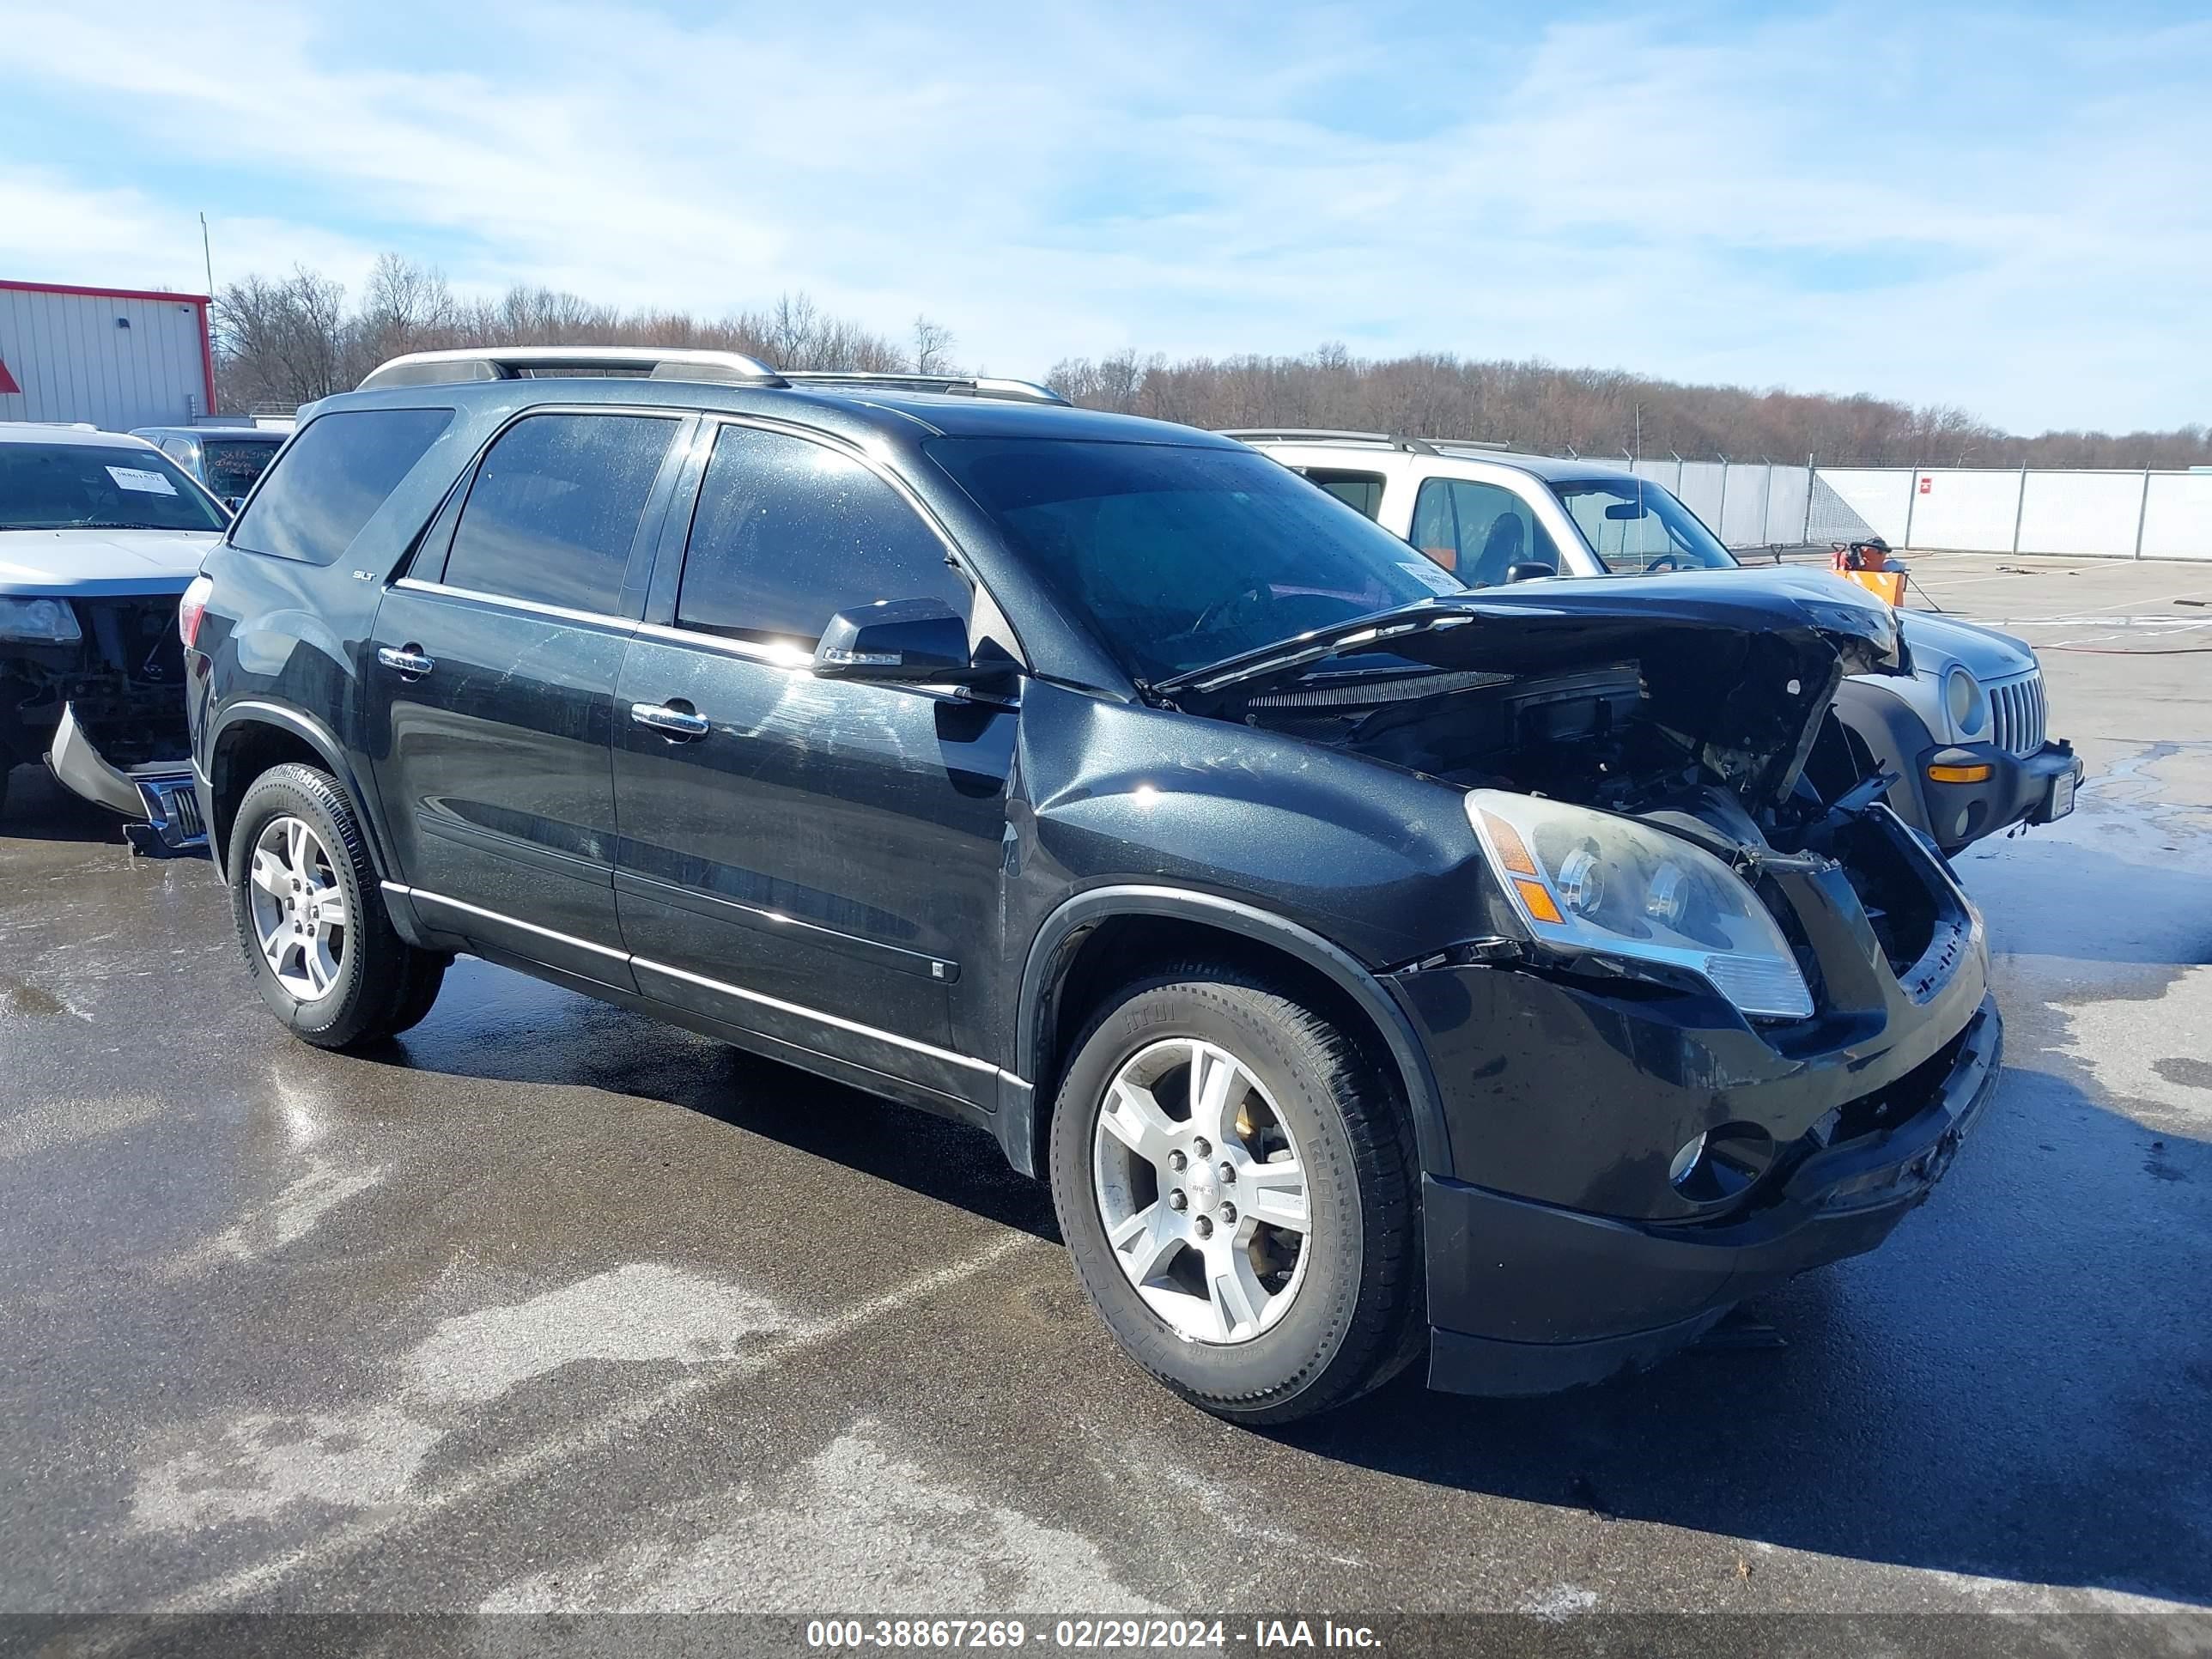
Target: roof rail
x,y
522,363
958,386
1328,434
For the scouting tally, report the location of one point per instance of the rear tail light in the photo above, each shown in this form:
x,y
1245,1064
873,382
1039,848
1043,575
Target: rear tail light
x,y
191,607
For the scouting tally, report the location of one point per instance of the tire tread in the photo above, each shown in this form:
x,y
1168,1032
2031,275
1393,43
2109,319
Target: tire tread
x,y
392,976
1386,1325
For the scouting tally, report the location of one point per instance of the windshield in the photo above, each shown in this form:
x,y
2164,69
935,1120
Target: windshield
x,y
1180,556
232,465
65,486
1637,528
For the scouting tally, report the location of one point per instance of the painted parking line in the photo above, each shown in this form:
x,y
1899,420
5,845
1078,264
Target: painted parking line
x,y
2155,626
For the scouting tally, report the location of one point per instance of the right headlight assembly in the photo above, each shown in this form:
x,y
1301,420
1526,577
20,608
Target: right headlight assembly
x,y
1591,882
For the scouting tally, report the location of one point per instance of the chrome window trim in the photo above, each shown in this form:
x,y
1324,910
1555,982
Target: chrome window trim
x,y
752,650
768,656
536,607
739,991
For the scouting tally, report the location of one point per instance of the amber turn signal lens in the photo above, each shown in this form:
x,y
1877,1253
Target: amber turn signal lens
x,y
1511,852
1538,898
1960,774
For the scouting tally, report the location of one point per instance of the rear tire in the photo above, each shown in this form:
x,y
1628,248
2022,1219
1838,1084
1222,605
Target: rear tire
x,y
310,919
1309,1182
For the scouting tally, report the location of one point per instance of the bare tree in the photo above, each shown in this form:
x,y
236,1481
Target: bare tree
x,y
793,325
281,342
932,347
292,339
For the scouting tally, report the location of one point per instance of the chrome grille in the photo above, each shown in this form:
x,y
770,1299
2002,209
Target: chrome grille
x,y
2016,712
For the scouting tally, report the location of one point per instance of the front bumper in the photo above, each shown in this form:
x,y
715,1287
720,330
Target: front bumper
x,y
157,796
1529,1298
2018,790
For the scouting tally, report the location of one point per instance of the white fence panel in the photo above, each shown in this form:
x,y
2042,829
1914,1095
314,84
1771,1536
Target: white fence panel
x,y
1700,489
1743,506
1971,511
2081,513
2177,517
1878,494
1789,495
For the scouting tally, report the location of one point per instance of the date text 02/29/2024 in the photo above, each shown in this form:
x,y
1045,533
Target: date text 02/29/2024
x,y
1084,1635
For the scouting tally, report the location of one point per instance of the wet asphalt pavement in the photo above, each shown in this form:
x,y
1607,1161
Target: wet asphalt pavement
x,y
549,1306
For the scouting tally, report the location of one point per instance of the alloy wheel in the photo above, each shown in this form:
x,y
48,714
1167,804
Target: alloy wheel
x,y
299,910
1202,1191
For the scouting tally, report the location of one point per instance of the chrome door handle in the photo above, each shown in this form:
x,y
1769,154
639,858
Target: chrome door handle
x,y
673,723
405,659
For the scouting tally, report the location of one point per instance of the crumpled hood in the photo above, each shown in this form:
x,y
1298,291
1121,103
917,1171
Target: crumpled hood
x,y
1742,664
1933,643
85,563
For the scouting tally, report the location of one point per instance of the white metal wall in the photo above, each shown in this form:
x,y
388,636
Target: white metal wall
x,y
2086,513
75,360
2078,513
1974,510
2177,516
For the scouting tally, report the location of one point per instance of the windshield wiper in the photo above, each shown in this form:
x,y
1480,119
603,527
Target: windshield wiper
x,y
1355,635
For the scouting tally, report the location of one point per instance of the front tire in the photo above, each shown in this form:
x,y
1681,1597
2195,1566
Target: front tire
x,y
1237,1186
310,919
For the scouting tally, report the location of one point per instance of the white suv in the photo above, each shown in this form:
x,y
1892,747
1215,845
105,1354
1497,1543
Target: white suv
x,y
1964,733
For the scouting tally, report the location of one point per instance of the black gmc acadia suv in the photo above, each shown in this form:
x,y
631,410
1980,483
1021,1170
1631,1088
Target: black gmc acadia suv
x,y
1368,961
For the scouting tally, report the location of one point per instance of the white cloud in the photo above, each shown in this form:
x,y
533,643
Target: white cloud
x,y
1051,182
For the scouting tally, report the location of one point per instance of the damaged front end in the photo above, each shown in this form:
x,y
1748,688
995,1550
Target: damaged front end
x,y
1723,1016
106,710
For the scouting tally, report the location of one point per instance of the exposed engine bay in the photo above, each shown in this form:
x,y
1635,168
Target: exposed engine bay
x,y
1593,737
1723,739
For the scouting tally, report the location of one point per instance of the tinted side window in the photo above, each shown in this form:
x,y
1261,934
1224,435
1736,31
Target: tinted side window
x,y
554,507
1478,529
338,471
788,532
1362,490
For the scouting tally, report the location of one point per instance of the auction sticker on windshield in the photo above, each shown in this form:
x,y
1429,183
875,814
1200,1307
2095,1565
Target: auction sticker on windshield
x,y
1435,575
147,484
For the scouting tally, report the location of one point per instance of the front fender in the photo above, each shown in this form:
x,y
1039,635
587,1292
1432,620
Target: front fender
x,y
1051,953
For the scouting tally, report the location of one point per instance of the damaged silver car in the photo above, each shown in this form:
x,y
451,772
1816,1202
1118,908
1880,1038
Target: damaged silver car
x,y
100,535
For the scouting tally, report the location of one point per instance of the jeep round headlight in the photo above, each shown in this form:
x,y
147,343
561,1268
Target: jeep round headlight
x,y
1963,699
1590,882
45,622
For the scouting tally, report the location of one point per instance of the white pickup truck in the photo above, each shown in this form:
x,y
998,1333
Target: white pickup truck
x,y
100,534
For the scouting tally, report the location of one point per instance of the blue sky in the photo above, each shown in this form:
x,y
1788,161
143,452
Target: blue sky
x,y
2004,208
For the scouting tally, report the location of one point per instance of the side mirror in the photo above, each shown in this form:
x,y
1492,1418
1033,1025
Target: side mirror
x,y
1528,570
894,640
234,503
